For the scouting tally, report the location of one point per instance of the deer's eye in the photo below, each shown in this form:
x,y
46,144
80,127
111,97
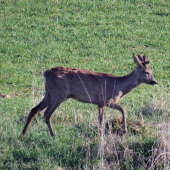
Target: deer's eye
x,y
146,73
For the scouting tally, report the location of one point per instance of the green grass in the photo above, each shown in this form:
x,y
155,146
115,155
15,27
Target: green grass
x,y
94,35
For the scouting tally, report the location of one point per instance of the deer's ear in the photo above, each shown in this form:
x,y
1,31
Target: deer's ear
x,y
140,56
137,61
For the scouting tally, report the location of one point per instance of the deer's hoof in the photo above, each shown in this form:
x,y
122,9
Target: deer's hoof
x,y
124,133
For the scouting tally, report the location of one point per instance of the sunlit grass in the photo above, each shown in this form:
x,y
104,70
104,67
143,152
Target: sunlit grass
x,y
94,35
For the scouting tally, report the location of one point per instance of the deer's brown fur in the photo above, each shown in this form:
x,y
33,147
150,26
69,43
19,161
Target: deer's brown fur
x,y
86,86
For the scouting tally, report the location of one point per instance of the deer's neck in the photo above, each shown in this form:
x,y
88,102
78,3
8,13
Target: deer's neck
x,y
127,83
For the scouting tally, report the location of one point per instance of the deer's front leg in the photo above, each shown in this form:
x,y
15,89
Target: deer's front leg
x,y
113,103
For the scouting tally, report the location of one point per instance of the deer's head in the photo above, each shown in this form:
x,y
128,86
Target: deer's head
x,y
143,70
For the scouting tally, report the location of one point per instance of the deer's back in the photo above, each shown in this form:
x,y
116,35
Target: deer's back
x,y
82,85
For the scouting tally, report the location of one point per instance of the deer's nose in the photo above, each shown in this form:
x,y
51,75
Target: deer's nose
x,y
154,82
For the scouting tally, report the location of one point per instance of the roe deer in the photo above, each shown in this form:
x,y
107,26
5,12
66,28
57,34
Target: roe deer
x,y
85,86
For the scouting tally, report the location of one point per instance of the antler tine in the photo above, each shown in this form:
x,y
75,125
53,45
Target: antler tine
x,y
146,58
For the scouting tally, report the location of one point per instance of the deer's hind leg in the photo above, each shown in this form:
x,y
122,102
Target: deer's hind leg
x,y
36,110
55,102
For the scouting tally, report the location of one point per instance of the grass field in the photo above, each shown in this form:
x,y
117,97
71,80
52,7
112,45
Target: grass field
x,y
36,35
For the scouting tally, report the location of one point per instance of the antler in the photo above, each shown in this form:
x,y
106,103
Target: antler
x,y
146,59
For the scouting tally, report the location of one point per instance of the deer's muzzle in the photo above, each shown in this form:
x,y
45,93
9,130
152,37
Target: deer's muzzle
x,y
154,82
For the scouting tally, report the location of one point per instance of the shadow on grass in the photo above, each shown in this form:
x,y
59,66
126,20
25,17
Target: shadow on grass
x,y
75,147
68,150
73,154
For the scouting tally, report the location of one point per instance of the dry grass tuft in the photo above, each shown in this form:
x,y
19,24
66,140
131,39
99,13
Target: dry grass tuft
x,y
150,147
